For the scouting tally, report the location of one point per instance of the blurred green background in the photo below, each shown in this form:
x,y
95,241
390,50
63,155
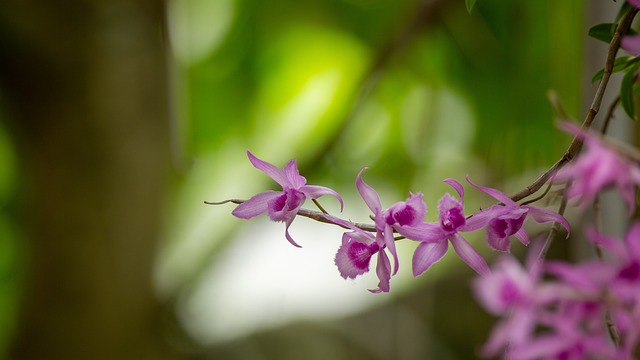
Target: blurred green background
x,y
120,118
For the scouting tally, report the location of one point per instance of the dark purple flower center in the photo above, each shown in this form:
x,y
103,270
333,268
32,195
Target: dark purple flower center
x,y
504,227
452,220
631,272
360,254
402,217
280,207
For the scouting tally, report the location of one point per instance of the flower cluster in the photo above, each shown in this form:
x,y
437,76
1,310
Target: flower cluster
x,y
563,316
547,309
406,218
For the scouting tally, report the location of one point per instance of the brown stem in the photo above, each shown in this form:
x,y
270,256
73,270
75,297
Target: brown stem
x,y
576,145
314,215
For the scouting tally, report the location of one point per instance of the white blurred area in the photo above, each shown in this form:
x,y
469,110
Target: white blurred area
x,y
261,281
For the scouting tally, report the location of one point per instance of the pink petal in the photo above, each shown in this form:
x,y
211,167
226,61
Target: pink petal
x,y
522,236
276,174
425,232
369,195
256,205
481,218
286,233
469,255
427,254
631,44
293,175
383,269
632,240
541,215
315,191
391,245
635,3
457,186
352,258
496,242
496,194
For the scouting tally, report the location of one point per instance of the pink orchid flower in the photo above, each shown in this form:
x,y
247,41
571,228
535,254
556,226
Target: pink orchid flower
x,y
598,168
507,219
281,205
354,255
435,237
359,246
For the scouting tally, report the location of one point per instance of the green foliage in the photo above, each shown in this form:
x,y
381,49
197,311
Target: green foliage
x,y
627,98
603,32
621,63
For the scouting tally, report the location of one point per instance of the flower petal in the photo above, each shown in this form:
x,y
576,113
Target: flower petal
x,y
427,254
425,232
481,218
632,241
286,232
353,256
315,191
496,194
369,195
541,215
383,269
293,175
631,44
391,245
469,255
276,174
522,236
457,186
256,205
497,242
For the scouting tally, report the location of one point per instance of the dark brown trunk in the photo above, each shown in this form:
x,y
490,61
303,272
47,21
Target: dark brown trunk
x,y
84,83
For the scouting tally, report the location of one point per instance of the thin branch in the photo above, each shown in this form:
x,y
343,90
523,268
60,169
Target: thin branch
x,y
314,215
576,145
555,228
607,119
319,206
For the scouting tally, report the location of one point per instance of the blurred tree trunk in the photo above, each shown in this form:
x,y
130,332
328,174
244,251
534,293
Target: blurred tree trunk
x,y
84,82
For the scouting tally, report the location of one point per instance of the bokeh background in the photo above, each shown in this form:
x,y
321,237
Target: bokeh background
x,y
120,118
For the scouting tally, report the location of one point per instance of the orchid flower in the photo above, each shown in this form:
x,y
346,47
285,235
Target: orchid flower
x,y
359,246
512,291
282,205
597,168
354,255
507,219
384,230
435,237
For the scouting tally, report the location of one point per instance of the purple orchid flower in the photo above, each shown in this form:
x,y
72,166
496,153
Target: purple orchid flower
x,y
597,168
511,291
435,237
359,246
401,215
625,263
507,219
282,205
357,249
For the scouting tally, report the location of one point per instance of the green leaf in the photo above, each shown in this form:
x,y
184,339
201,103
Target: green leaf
x,y
603,32
470,4
626,91
619,64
